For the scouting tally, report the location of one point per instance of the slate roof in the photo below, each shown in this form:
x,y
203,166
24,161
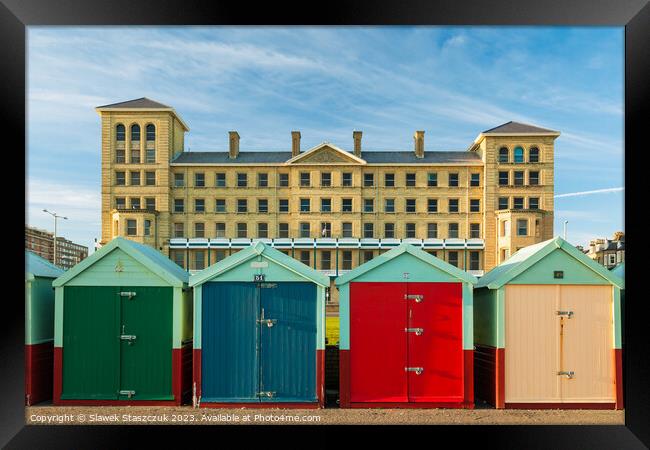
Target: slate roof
x,y
518,127
40,267
372,157
144,102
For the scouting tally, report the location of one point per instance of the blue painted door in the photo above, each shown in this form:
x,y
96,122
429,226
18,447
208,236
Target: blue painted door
x,y
230,342
288,342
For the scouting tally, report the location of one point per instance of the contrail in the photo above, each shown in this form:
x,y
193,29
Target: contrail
x,y
597,191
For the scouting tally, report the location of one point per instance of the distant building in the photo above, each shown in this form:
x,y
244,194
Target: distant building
x,y
608,252
41,242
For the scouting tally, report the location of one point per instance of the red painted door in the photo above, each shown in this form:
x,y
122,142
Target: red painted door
x,y
435,342
378,342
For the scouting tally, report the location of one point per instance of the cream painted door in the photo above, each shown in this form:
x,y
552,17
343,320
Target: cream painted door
x,y
587,344
532,344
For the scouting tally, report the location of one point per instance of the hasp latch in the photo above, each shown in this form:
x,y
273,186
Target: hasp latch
x,y
417,297
127,294
267,394
569,314
568,374
268,285
417,370
417,331
129,394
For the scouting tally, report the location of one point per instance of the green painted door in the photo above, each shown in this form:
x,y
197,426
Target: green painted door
x,y
90,343
145,343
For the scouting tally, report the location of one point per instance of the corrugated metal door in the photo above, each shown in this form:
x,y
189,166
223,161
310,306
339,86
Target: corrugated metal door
x,y
586,339
378,347
146,343
229,342
90,343
435,342
288,342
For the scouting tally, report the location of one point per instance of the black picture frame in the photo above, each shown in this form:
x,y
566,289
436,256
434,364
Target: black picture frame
x,y
634,15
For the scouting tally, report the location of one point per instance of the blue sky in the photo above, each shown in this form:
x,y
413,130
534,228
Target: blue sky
x,y
452,82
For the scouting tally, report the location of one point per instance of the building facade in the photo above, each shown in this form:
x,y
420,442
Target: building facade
x,y
41,242
329,207
608,252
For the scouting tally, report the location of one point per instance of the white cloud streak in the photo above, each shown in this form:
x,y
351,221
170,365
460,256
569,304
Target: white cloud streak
x,y
595,191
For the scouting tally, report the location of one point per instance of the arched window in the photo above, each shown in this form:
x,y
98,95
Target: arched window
x,y
519,155
533,155
119,132
151,132
135,132
503,155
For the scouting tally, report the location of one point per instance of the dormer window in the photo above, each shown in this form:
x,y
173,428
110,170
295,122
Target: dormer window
x,y
135,132
120,132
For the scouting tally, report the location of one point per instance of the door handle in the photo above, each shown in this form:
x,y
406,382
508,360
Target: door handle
x,y
417,331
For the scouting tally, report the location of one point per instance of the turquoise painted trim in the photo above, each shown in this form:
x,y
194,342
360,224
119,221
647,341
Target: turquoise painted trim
x,y
259,249
188,315
617,317
320,318
147,256
501,317
418,253
58,316
39,310
177,315
36,266
197,318
468,316
485,316
344,317
619,271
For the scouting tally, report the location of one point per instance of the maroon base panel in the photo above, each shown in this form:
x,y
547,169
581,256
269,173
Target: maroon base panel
x,y
39,363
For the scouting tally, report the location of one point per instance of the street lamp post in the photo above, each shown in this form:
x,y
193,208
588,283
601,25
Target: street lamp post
x,y
565,222
53,214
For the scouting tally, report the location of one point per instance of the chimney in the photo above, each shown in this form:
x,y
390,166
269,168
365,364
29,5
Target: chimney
x,y
234,144
356,135
295,143
418,137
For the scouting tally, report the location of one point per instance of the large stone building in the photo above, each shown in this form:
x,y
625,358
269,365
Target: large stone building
x,y
608,252
41,242
329,207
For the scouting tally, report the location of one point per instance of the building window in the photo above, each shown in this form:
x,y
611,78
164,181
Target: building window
x,y
242,205
519,155
151,132
368,230
119,132
135,132
453,205
537,228
120,179
304,230
368,179
220,205
533,178
305,179
389,230
219,255
410,229
432,179
389,179
242,180
368,255
120,203
220,229
504,178
368,205
305,205
131,227
199,205
518,203
504,156
533,203
135,155
389,205
452,258
347,179
150,203
283,179
262,230
179,258
199,179
475,179
432,205
325,229
262,206
262,180
199,260
326,205
179,230
220,179
346,229
410,179
474,261
326,179
346,205
283,205
503,203
519,178
150,178
120,156
242,229
199,229
346,260
533,155
326,260
522,227
305,257
453,231
475,230
135,178
179,205
150,155
474,205
453,180
504,229
283,230
135,202
410,205
179,179
432,230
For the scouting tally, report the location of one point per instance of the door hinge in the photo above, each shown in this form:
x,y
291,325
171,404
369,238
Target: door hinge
x,y
417,370
568,374
417,331
267,394
127,294
129,394
417,297
569,314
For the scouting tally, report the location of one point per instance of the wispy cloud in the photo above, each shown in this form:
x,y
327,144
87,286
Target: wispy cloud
x,y
595,191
